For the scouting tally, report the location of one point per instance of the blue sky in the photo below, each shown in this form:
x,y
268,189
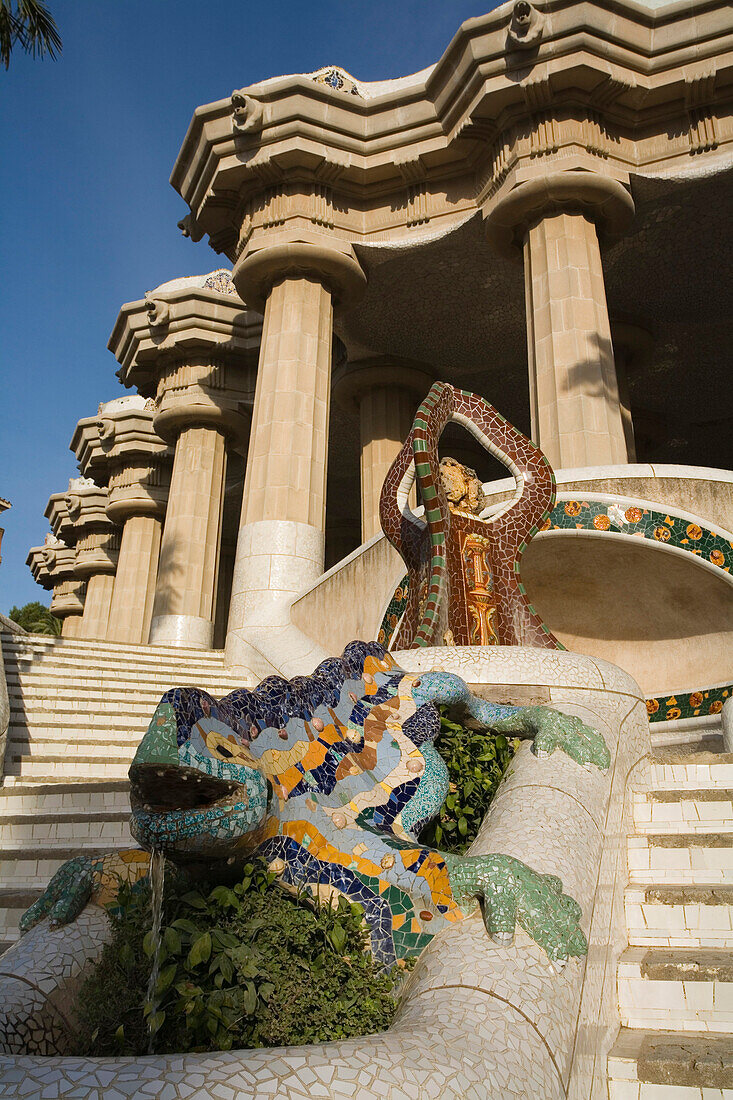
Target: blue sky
x,y
88,216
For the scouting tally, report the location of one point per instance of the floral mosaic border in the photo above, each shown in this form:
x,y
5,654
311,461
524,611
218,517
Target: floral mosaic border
x,y
688,704
642,522
636,522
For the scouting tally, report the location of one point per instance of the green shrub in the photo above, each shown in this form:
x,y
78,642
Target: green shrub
x,y
476,761
246,966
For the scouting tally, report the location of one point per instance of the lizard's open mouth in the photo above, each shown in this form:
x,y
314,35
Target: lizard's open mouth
x,y
189,814
160,788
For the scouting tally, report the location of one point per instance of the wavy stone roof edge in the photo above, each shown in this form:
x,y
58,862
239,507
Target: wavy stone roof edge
x,y
219,280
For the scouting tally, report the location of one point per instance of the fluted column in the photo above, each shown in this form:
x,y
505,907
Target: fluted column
x,y
52,566
97,602
280,545
137,568
121,444
385,391
574,395
190,346
82,516
185,595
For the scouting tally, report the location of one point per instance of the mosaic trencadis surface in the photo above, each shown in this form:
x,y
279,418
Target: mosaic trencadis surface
x,y
331,777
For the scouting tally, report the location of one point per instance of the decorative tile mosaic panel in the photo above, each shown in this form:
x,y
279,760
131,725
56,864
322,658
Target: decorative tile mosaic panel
x,y
337,79
465,586
642,522
688,704
634,521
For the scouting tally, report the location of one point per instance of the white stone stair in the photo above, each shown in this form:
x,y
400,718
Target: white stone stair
x,y
78,711
675,981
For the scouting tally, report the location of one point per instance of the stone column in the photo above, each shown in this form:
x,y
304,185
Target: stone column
x,y
281,541
185,594
191,344
131,611
119,447
280,546
385,392
97,547
139,475
574,395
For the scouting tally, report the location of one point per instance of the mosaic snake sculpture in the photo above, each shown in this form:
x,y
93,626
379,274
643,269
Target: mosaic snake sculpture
x,y
331,778
464,581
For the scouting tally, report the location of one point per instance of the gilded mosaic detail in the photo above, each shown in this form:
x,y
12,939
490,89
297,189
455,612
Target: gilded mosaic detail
x,y
464,569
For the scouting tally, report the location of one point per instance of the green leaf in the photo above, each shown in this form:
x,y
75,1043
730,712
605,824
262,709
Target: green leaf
x,y
338,937
149,944
185,925
194,899
200,951
155,1022
165,978
224,897
462,826
249,998
119,1034
172,941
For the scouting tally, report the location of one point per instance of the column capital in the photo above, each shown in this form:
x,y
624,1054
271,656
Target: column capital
x,y
599,198
274,256
120,449
191,345
51,563
353,379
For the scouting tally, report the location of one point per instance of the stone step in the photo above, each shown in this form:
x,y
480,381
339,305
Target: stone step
x,y
676,988
36,711
692,770
60,830
43,644
13,903
62,685
668,1065
680,915
669,858
683,810
60,798
66,768
53,736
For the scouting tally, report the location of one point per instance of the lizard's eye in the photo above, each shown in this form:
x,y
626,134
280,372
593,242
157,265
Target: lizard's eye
x,y
224,752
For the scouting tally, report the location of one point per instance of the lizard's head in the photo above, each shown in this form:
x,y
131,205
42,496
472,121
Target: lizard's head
x,y
195,792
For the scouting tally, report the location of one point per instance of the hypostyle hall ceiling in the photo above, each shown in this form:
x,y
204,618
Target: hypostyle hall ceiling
x,y
455,304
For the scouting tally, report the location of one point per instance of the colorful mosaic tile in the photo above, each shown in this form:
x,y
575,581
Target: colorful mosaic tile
x,y
331,777
688,704
658,526
621,518
464,578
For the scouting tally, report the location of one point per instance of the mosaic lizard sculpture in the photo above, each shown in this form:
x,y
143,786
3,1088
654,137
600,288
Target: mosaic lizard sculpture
x,y
331,778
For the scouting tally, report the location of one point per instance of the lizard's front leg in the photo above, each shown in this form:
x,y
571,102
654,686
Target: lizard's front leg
x,y
84,879
547,728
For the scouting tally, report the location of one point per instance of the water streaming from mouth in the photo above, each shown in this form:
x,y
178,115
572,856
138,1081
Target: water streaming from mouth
x,y
157,877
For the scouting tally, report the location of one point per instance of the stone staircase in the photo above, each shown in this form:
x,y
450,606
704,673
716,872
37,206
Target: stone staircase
x,y
77,712
675,981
